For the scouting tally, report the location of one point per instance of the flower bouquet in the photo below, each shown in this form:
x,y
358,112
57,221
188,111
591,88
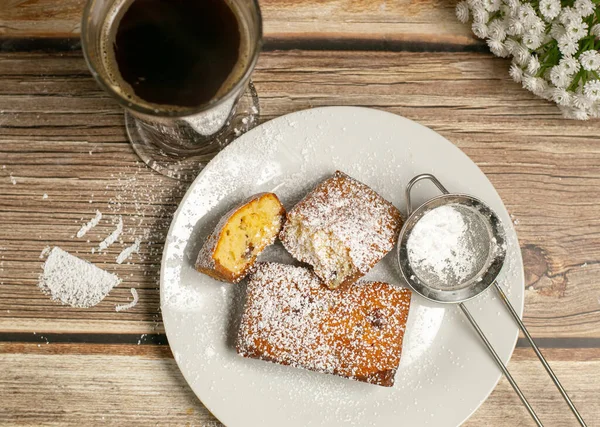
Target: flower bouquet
x,y
553,44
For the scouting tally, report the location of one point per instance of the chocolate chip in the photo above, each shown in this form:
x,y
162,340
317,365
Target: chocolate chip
x,y
248,252
376,318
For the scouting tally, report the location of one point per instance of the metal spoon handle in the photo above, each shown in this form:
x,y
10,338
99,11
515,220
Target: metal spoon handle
x,y
501,365
539,354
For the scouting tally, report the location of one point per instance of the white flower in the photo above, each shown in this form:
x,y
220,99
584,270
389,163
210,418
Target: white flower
x,y
532,41
574,113
547,95
492,5
541,88
480,15
595,30
536,25
591,89
497,48
577,29
497,30
521,55
557,31
570,64
515,27
514,5
528,82
559,76
505,11
567,45
584,7
595,110
480,30
561,96
590,60
568,14
534,65
537,85
512,45
516,73
582,101
550,9
526,13
462,12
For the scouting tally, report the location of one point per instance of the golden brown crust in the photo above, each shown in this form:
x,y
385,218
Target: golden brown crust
x,y
206,262
291,318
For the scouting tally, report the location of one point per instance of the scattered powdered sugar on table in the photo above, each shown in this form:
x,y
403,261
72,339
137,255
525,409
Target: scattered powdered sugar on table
x,y
128,251
89,225
74,281
112,237
132,304
442,243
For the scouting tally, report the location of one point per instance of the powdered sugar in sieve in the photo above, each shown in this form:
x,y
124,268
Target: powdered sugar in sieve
x,y
450,246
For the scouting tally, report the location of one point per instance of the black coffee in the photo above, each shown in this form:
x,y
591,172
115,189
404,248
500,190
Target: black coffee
x,y
177,52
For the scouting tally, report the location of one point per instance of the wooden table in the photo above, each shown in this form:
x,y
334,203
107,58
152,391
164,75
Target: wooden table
x,y
64,154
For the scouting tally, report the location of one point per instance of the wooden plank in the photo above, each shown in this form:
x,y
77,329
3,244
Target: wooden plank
x,y
286,22
40,386
52,115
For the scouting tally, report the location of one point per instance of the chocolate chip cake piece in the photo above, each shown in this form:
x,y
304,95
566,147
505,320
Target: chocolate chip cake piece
x,y
291,318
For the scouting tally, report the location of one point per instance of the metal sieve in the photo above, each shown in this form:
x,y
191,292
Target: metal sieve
x,y
486,234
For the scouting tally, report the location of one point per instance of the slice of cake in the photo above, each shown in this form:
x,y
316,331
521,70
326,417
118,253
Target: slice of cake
x,y
291,318
241,235
342,229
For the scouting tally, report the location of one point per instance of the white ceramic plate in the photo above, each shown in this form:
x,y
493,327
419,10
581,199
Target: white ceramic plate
x,y
445,372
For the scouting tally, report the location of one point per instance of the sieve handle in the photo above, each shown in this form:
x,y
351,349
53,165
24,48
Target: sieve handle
x,y
416,179
539,354
501,364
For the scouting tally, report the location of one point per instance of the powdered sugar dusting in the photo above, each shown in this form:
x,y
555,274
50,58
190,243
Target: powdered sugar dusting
x,y
291,318
75,282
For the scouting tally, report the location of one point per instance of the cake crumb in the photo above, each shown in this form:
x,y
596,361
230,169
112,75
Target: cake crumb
x,y
45,196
